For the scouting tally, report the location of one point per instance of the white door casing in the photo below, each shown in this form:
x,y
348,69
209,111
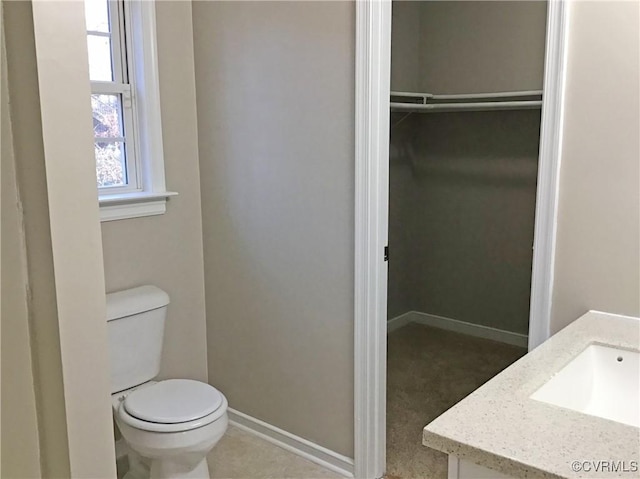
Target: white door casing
x,y
373,62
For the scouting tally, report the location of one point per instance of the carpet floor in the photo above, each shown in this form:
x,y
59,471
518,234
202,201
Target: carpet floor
x,y
428,371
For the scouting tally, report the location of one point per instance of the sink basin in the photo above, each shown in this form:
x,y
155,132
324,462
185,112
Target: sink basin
x,y
601,381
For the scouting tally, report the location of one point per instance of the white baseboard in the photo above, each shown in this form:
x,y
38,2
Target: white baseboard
x,y
302,447
399,321
462,327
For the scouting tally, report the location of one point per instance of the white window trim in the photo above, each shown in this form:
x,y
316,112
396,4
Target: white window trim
x,y
142,60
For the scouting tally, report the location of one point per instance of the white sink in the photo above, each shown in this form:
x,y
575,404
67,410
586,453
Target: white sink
x,y
600,381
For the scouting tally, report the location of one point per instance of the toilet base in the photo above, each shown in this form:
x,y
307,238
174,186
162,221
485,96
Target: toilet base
x,y
167,469
184,468
138,467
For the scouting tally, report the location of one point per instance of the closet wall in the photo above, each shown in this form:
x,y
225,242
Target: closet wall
x,y
462,189
467,47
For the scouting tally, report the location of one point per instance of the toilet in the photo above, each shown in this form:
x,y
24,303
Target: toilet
x,y
170,425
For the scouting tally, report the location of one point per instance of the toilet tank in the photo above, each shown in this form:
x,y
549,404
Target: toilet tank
x,y
135,327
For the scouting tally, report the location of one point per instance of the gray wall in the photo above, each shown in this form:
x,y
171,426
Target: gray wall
x,y
20,452
462,214
598,243
400,289
462,192
482,46
467,46
275,91
24,103
405,45
167,250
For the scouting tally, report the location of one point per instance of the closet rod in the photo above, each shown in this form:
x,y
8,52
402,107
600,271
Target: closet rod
x,y
471,106
468,96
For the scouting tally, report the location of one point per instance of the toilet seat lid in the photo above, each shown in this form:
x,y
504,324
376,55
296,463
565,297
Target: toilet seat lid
x,y
173,401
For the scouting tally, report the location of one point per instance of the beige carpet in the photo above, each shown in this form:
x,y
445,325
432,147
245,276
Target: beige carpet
x,y
428,371
241,455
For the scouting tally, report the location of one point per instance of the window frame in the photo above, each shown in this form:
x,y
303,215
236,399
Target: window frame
x,y
146,193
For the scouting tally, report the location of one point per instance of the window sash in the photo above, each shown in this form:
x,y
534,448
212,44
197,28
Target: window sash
x,y
109,88
120,86
118,41
133,179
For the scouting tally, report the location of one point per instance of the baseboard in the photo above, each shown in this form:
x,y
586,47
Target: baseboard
x,y
302,447
462,327
399,321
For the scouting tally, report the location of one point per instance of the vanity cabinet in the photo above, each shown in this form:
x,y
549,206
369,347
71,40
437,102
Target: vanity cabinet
x,y
461,469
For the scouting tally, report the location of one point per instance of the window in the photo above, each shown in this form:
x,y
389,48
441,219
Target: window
x,y
113,127
126,110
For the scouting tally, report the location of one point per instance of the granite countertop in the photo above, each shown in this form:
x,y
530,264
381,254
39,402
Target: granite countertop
x,y
500,427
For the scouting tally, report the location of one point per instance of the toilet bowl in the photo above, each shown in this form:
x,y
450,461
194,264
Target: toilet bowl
x,y
169,426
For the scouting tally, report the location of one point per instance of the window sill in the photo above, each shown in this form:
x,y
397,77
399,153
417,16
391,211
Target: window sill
x,y
133,205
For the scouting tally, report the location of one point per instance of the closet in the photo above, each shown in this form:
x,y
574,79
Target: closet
x,y
466,81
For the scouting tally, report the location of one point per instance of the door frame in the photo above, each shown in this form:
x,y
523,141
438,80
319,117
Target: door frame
x,y
373,67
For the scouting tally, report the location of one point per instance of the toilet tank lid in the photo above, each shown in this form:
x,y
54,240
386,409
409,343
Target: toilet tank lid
x,y
135,300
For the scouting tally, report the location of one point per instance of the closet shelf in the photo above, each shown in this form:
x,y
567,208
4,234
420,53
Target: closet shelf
x,y
428,102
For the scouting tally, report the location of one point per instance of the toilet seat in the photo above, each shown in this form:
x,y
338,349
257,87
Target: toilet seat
x,y
173,401
173,405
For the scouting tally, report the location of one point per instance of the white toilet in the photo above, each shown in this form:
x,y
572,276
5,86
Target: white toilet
x,y
169,425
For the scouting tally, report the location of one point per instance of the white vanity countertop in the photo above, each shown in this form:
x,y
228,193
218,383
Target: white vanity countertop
x,y
500,427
